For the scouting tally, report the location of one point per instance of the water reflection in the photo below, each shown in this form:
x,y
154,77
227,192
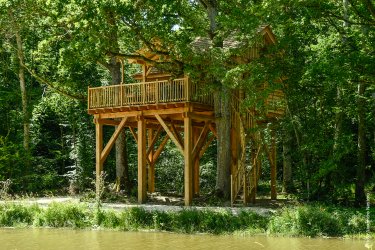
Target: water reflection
x,y
88,239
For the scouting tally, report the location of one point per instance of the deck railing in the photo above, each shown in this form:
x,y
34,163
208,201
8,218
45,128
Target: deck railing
x,y
178,90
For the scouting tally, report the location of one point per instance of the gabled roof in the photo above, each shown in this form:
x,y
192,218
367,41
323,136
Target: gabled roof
x,y
202,44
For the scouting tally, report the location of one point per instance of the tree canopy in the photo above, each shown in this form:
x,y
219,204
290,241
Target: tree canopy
x,y
51,51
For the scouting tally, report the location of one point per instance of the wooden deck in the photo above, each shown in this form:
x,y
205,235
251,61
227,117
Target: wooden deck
x,y
185,112
146,95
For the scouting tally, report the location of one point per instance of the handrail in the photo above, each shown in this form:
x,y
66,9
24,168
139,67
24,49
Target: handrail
x,y
165,91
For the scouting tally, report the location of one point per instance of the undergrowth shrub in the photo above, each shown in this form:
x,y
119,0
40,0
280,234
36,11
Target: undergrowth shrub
x,y
186,221
12,215
66,215
135,218
305,221
162,221
109,219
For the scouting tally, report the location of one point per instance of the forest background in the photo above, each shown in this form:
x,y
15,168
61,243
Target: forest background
x,y
51,51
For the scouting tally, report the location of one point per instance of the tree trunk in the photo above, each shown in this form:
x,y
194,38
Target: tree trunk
x,y
122,172
287,162
21,75
360,197
222,111
339,93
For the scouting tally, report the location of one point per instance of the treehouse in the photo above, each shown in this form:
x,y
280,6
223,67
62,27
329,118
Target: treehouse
x,y
159,103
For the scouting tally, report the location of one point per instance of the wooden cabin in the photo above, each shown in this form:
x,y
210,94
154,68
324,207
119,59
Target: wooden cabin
x,y
157,103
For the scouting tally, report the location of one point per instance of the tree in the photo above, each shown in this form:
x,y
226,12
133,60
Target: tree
x,y
12,27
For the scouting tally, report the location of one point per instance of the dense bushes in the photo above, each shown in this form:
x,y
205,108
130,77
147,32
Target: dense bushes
x,y
318,221
299,221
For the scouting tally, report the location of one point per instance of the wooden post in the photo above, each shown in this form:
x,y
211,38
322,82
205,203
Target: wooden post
x,y
196,165
254,165
245,188
151,167
187,90
188,178
99,163
142,192
273,166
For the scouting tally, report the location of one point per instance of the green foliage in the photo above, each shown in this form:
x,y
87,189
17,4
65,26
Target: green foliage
x,y
12,215
309,220
67,43
316,220
65,215
136,218
12,159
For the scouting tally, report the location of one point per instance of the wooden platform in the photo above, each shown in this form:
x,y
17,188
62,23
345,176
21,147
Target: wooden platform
x,y
147,109
178,110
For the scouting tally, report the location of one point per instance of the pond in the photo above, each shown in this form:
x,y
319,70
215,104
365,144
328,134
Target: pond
x,y
91,239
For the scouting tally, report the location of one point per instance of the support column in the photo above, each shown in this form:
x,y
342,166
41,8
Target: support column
x,y
151,167
253,171
188,177
196,165
99,162
142,192
273,166
234,166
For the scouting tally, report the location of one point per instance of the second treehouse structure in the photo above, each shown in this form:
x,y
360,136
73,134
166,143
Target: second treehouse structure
x,y
179,107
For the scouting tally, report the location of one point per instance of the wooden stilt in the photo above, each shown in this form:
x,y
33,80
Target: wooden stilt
x,y
273,167
99,162
142,192
151,167
245,190
254,159
112,141
188,178
196,165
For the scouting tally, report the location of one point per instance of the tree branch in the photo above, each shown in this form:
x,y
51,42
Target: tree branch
x,y
52,86
135,57
370,6
360,15
137,31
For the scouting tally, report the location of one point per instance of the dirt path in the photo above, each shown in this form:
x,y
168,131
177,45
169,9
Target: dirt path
x,y
44,202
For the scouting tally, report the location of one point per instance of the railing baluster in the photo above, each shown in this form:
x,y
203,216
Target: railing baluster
x,y
177,90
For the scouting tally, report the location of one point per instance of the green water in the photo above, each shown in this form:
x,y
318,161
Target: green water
x,y
88,239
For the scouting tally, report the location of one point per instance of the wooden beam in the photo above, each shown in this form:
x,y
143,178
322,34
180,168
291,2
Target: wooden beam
x,y
111,141
213,129
99,163
151,167
245,190
151,143
144,73
201,117
145,113
196,163
188,171
142,192
176,133
273,166
205,147
148,70
170,134
134,134
160,149
202,137
107,122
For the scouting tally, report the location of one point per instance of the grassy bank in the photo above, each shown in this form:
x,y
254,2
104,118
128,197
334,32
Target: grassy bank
x,y
295,221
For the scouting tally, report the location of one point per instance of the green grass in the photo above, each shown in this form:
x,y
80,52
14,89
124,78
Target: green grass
x,y
317,220
308,220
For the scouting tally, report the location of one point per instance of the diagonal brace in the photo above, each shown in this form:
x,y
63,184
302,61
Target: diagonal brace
x,y
111,141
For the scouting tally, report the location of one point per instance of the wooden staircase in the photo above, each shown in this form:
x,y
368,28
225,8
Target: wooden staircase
x,y
247,146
